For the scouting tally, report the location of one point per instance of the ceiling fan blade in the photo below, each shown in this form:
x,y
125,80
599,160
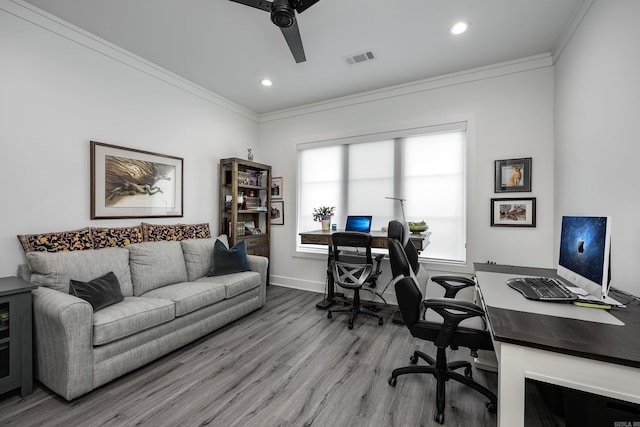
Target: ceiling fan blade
x,y
292,36
302,5
258,4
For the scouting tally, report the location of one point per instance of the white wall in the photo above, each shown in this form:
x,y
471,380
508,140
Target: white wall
x,y
59,89
597,108
510,108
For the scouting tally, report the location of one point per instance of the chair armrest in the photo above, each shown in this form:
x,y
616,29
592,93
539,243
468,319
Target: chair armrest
x,y
378,260
63,333
451,289
453,312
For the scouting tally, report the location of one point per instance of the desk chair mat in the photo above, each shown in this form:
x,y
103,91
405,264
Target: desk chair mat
x,y
502,296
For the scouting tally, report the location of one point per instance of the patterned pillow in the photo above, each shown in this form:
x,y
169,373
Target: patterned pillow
x,y
115,237
197,231
74,240
157,232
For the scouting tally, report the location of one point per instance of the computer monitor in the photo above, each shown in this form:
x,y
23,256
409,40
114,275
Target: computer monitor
x,y
358,223
585,247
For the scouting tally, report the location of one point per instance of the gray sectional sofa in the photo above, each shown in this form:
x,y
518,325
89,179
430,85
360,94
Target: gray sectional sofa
x,y
168,302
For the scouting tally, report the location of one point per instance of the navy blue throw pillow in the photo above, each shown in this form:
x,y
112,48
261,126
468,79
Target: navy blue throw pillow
x,y
100,293
226,261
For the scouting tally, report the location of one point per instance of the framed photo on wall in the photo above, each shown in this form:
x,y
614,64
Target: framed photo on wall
x,y
513,212
277,187
130,183
277,212
513,175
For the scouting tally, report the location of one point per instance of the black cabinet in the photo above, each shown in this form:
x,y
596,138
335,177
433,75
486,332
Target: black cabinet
x,y
16,358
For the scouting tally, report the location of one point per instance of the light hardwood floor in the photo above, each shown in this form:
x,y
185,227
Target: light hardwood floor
x,y
283,365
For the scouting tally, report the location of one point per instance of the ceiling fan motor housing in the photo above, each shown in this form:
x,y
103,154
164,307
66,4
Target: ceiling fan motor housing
x,y
282,13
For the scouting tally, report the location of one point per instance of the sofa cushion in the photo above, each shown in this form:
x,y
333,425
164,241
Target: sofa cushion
x,y
229,260
60,241
159,232
130,316
198,254
190,296
156,264
197,257
235,283
115,237
54,270
100,293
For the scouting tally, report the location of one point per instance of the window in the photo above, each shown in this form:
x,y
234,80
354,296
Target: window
x,y
356,175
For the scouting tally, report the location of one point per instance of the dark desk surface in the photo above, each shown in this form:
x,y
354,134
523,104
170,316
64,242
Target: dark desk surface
x,y
607,343
319,237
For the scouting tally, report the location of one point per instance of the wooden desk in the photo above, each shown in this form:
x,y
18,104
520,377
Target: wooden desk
x,y
379,240
585,355
319,237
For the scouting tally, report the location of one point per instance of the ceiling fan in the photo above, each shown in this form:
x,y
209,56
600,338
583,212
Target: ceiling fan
x,y
283,14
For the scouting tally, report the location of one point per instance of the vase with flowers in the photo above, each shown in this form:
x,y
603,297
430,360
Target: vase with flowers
x,y
324,214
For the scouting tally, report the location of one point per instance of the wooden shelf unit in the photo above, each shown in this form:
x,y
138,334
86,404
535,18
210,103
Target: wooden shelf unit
x,y
239,179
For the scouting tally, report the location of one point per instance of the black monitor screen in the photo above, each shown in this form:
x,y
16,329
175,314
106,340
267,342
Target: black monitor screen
x,y
358,223
583,242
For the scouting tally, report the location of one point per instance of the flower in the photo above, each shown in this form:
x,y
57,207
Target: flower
x,y
323,212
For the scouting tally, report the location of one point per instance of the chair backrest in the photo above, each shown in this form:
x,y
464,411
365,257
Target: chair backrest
x,y
399,230
351,275
352,247
399,263
409,300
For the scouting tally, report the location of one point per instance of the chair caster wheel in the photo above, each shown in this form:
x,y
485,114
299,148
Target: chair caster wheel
x,y
328,315
380,322
393,381
468,372
492,407
413,360
439,417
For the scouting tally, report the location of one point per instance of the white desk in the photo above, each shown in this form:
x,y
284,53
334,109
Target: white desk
x,y
599,358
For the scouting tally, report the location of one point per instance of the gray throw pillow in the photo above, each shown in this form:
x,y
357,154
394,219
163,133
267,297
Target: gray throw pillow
x,y
100,293
227,261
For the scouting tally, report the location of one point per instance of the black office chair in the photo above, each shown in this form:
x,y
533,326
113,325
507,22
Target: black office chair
x,y
352,268
447,323
355,248
399,230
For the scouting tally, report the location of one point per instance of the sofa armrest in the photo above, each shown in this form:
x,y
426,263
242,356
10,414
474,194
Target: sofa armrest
x,y
260,264
63,329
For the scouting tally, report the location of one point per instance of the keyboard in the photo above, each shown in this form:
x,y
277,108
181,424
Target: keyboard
x,y
542,289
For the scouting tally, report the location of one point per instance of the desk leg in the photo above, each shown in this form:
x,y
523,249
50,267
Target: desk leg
x,y
511,382
328,302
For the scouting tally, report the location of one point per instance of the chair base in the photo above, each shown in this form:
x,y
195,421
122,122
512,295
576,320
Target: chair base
x,y
353,311
444,371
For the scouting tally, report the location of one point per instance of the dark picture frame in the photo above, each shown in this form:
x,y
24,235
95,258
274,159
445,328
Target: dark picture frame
x,y
513,212
277,212
131,183
277,187
513,175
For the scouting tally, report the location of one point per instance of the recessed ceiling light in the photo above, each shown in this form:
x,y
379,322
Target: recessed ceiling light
x,y
266,82
459,27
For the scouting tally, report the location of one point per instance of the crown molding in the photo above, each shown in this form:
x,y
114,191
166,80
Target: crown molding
x,y
46,21
471,75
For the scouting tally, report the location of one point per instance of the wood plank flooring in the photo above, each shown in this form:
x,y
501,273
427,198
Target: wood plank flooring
x,y
283,365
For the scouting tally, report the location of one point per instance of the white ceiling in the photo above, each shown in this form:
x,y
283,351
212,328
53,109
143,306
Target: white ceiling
x,y
227,47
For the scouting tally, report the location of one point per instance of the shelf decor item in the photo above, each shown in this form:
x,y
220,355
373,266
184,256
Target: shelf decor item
x,y
324,214
513,175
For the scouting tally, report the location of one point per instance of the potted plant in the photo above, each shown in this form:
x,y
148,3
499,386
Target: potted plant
x,y
324,214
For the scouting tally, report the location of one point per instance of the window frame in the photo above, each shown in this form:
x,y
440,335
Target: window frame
x,y
464,123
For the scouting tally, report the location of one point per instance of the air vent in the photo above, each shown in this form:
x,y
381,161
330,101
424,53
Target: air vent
x,y
360,57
